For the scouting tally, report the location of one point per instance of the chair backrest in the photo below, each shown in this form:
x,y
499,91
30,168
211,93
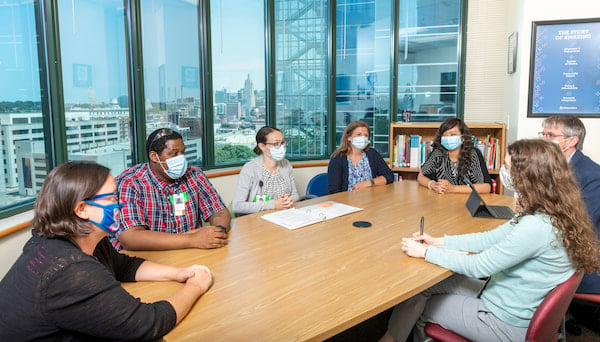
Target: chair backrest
x,y
317,186
547,318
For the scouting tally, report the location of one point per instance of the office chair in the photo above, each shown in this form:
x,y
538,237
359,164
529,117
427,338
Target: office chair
x,y
547,323
591,299
317,186
588,297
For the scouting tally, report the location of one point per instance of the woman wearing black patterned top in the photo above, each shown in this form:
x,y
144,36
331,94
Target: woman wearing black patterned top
x,y
454,157
66,286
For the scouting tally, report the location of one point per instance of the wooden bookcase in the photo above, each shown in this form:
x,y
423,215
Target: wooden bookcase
x,y
427,132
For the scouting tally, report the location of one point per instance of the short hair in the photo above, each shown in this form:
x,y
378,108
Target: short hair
x,y
157,140
63,189
570,125
261,137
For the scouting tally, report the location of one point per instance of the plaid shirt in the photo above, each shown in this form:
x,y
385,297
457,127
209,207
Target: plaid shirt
x,y
148,201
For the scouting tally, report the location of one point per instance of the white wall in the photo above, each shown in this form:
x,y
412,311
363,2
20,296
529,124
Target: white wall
x,y
493,95
523,13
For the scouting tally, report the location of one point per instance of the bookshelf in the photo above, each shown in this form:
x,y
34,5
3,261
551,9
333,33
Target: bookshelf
x,y
482,131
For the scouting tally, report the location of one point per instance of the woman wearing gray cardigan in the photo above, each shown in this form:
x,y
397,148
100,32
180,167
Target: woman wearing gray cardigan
x,y
266,182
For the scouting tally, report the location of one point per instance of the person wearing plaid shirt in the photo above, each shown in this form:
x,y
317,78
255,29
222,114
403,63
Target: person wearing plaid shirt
x,y
165,201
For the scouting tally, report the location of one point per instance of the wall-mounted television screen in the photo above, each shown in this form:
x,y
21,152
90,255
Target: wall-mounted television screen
x,y
565,68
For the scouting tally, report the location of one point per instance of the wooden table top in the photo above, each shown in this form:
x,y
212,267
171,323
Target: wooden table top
x,y
275,284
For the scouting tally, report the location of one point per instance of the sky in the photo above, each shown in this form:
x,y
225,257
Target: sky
x,y
93,64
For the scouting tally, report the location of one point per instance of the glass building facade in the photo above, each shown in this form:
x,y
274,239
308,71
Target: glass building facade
x,y
90,80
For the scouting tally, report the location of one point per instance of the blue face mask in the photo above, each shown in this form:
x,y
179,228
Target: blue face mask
x,y
109,217
177,166
452,142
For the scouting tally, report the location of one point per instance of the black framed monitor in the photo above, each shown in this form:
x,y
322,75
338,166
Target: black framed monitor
x,y
563,73
478,208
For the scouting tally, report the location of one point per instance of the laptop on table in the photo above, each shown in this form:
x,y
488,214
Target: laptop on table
x,y
478,208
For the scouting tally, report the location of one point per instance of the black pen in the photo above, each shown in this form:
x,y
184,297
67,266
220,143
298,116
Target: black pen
x,y
422,226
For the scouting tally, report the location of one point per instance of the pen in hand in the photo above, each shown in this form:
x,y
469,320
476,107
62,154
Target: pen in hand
x,y
422,226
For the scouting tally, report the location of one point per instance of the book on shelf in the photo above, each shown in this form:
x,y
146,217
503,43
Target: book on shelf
x,y
490,150
415,153
411,150
294,218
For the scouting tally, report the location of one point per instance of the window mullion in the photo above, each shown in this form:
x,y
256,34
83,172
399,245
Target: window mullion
x,y
135,80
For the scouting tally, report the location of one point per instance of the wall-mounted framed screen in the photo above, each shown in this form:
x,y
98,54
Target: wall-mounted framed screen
x,y
565,68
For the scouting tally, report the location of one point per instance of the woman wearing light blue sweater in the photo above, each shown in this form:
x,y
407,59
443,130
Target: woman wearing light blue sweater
x,y
266,182
525,258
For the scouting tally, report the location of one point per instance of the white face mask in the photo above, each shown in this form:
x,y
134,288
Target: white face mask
x,y
277,153
558,143
506,179
360,142
177,166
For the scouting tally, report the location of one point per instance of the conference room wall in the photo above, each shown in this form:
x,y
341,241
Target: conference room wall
x,y
12,244
493,95
523,13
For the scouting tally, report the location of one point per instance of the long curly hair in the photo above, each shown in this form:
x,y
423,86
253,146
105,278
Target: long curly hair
x,y
545,184
345,145
464,161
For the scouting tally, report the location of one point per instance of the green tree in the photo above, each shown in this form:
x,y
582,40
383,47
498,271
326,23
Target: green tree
x,y
233,153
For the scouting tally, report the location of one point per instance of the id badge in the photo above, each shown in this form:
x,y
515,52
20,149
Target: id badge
x,y
179,201
261,198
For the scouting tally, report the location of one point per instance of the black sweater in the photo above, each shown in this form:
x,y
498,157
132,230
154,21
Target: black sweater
x,y
337,171
56,292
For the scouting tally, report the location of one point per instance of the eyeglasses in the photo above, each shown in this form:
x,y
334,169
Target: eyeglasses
x,y
100,196
549,135
276,144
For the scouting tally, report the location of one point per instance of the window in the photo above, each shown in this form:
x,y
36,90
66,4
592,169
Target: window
x,y
94,68
17,121
171,70
238,63
428,57
20,101
301,76
363,67
256,62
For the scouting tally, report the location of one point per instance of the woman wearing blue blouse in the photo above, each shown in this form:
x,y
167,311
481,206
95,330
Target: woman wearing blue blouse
x,y
354,165
525,258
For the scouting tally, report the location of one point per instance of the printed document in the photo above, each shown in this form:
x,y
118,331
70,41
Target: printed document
x,y
295,218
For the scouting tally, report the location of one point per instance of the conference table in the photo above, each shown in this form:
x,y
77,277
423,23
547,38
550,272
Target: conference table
x,y
311,283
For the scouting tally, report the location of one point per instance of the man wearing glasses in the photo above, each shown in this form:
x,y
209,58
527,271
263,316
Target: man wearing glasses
x,y
568,132
165,201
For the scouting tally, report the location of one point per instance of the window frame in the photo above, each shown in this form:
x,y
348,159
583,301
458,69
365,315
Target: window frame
x,y
51,81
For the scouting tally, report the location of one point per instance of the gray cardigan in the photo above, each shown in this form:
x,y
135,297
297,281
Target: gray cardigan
x,y
247,186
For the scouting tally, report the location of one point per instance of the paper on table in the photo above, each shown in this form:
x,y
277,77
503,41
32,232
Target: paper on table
x,y
295,218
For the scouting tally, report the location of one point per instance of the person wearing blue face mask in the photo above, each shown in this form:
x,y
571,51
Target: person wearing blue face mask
x,y
166,197
355,165
66,285
266,182
454,156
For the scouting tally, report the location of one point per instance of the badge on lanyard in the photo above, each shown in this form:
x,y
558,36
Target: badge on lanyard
x,y
261,198
179,200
